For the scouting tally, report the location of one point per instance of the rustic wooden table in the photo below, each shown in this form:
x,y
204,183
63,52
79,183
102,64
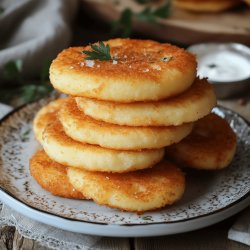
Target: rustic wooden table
x,y
210,238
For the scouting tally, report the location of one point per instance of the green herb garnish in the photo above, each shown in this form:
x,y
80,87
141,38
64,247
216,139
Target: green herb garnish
x,y
15,87
163,11
142,1
100,52
123,24
12,70
147,217
212,66
25,135
247,30
146,15
166,58
150,15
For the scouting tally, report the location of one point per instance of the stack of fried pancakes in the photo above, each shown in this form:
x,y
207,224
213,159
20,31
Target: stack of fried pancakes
x,y
106,141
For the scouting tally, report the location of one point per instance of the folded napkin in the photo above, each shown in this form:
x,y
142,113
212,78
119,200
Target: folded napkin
x,y
48,236
240,231
34,31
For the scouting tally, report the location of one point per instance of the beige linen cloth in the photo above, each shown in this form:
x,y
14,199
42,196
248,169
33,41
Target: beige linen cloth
x,y
34,31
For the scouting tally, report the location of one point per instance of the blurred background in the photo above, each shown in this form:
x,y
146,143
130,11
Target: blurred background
x,y
33,32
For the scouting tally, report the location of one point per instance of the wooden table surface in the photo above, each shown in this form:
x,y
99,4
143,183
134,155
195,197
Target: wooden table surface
x,y
210,238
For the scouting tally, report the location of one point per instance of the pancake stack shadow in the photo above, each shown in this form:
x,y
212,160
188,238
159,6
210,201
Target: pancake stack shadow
x,y
106,141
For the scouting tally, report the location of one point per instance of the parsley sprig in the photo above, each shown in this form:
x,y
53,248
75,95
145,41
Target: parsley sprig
x,y
99,52
123,24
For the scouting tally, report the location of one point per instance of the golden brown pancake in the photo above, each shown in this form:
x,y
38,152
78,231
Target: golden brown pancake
x,y
44,116
189,106
205,5
83,128
141,70
211,145
52,176
64,150
138,191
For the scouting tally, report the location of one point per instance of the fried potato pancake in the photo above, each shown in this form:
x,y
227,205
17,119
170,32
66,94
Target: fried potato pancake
x,y
83,128
44,116
140,70
189,106
138,191
69,152
52,176
211,145
205,5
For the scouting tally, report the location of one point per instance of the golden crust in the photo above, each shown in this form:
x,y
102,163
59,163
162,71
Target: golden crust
x,y
137,74
211,145
189,106
138,191
44,116
68,152
52,176
83,128
206,5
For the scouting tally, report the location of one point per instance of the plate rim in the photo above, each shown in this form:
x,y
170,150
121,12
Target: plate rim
x,y
116,230
12,196
245,197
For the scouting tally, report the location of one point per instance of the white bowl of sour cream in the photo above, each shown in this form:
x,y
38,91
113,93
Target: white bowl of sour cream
x,y
225,65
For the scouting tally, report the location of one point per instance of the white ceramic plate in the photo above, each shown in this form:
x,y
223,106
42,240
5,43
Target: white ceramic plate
x,y
4,109
209,198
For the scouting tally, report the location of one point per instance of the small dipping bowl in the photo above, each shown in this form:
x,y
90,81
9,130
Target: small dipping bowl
x,y
226,65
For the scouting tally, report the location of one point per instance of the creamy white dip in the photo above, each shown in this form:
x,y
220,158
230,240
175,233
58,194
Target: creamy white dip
x,y
224,66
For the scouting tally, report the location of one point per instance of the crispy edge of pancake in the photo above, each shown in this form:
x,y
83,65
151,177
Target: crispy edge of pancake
x,y
68,152
190,106
44,116
139,191
210,146
83,128
52,176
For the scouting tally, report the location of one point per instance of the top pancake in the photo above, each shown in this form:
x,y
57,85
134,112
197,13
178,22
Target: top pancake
x,y
141,70
206,5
